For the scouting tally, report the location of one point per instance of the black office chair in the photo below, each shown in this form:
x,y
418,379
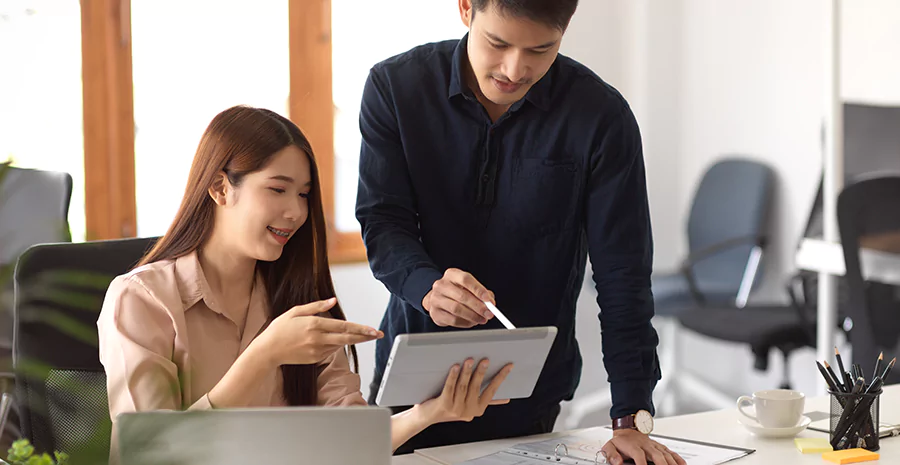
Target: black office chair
x,y
765,327
60,383
866,210
34,206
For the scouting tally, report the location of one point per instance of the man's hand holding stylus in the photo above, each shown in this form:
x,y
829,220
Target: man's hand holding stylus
x,y
457,299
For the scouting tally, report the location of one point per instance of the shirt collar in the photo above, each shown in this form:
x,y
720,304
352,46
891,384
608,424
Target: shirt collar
x,y
457,68
539,95
194,287
541,92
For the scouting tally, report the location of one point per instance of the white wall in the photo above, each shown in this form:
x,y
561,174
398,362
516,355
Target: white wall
x,y
615,39
753,84
870,45
749,78
363,300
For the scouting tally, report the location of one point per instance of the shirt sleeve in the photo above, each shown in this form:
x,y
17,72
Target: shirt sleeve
x,y
386,206
338,386
137,339
621,252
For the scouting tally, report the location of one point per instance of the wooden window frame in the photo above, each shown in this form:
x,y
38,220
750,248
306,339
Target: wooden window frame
x,y
312,108
110,206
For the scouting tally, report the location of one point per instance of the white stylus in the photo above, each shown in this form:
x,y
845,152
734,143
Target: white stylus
x,y
500,316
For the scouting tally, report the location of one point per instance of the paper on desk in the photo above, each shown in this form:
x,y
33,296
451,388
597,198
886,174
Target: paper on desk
x,y
821,423
582,450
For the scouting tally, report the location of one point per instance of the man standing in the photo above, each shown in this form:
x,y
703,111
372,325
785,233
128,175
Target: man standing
x,y
490,166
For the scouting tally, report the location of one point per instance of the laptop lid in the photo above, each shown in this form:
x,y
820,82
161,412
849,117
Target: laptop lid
x,y
324,436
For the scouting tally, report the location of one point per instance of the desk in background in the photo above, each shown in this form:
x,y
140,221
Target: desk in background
x,y
879,261
720,427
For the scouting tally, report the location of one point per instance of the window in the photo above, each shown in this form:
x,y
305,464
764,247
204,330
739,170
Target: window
x,y
191,60
165,68
40,92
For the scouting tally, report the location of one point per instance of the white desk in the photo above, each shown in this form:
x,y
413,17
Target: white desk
x,y
828,257
720,427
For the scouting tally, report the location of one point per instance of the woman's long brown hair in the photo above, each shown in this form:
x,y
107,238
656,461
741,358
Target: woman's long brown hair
x,y
240,141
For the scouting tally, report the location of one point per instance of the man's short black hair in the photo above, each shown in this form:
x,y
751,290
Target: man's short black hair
x,y
554,13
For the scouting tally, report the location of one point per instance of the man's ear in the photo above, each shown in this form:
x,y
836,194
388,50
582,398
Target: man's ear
x,y
465,12
219,188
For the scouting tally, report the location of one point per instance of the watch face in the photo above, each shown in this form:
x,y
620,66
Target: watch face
x,y
643,421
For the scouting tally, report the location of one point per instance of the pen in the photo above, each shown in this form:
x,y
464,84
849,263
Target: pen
x,y
848,381
500,316
858,386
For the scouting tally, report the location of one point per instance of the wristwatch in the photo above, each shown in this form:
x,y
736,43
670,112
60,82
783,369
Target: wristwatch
x,y
641,421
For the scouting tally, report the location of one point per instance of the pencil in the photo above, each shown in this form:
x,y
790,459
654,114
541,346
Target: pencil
x,y
828,379
854,413
878,365
887,369
837,382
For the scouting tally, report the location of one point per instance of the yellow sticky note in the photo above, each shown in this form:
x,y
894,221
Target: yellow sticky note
x,y
850,456
812,445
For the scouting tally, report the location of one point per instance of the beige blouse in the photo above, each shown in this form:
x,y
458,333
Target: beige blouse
x,y
165,342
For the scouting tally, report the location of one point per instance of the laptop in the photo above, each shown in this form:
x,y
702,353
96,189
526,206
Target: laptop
x,y
323,436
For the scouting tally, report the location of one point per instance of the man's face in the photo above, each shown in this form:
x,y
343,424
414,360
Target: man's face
x,y
508,54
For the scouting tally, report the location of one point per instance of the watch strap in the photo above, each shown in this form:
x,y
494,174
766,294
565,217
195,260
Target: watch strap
x,y
626,422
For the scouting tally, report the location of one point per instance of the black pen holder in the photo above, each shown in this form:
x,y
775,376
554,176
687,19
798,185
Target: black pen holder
x,y
854,420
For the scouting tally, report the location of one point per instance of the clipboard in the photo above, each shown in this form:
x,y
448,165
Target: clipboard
x,y
583,448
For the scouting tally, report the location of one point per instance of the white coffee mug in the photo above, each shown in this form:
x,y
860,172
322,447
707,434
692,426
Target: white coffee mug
x,y
776,408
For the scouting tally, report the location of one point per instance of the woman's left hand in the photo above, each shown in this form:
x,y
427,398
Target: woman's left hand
x,y
461,398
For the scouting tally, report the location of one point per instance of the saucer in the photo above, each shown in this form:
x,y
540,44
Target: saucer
x,y
763,432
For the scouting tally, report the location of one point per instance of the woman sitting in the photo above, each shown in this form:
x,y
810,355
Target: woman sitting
x,y
235,307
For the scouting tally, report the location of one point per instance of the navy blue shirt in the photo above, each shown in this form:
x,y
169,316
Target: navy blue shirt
x,y
518,203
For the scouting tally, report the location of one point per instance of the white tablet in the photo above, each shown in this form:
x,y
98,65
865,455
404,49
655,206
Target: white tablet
x,y
419,363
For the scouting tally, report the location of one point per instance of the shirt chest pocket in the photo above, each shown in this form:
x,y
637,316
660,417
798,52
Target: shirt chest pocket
x,y
544,196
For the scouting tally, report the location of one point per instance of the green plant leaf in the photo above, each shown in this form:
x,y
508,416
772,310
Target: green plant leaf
x,y
42,459
20,451
68,325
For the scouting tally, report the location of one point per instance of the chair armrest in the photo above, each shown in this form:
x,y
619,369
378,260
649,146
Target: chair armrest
x,y
699,255
799,299
719,247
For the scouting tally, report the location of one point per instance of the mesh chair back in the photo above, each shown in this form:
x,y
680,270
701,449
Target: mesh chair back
x,y
60,383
